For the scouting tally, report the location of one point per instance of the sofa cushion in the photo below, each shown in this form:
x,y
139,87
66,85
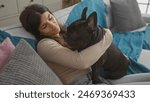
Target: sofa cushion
x,y
6,49
62,14
126,15
25,66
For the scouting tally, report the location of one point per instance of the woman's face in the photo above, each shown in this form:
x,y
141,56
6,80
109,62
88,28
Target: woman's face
x,y
49,26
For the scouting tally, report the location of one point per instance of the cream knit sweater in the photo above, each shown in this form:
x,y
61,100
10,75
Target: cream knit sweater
x,y
71,65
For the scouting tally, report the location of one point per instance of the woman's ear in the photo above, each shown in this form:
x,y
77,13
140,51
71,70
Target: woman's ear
x,y
92,21
83,16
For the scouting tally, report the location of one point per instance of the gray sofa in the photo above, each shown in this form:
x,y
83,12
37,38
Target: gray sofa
x,y
25,66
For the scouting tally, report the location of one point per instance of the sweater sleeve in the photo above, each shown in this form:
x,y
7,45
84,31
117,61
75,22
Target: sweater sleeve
x,y
52,51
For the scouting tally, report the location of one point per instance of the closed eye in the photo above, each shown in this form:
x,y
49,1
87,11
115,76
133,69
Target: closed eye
x,y
44,26
50,17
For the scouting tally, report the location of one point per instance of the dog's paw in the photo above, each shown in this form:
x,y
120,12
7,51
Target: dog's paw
x,y
101,80
97,81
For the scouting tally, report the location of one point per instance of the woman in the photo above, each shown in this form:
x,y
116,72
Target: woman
x,y
72,67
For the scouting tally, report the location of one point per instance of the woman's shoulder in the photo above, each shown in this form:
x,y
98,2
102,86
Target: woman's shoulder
x,y
47,41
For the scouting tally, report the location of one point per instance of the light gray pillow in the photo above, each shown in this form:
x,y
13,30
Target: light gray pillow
x,y
126,15
25,66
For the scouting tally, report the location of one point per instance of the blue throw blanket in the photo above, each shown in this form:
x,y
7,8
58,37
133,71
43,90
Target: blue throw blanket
x,y
93,5
131,44
146,42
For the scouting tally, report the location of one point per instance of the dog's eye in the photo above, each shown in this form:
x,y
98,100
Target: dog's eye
x,y
70,30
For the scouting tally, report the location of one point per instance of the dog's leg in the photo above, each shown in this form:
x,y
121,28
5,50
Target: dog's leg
x,y
96,73
96,78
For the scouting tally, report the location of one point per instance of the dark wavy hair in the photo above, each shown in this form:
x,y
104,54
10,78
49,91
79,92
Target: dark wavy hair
x,y
30,19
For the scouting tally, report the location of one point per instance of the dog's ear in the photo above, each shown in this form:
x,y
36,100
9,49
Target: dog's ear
x,y
83,16
92,20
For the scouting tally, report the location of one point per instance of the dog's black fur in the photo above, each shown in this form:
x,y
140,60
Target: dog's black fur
x,y
85,32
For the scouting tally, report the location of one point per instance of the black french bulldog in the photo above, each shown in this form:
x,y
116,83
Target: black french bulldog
x,y
85,32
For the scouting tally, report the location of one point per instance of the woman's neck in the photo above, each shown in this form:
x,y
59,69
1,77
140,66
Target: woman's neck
x,y
56,36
